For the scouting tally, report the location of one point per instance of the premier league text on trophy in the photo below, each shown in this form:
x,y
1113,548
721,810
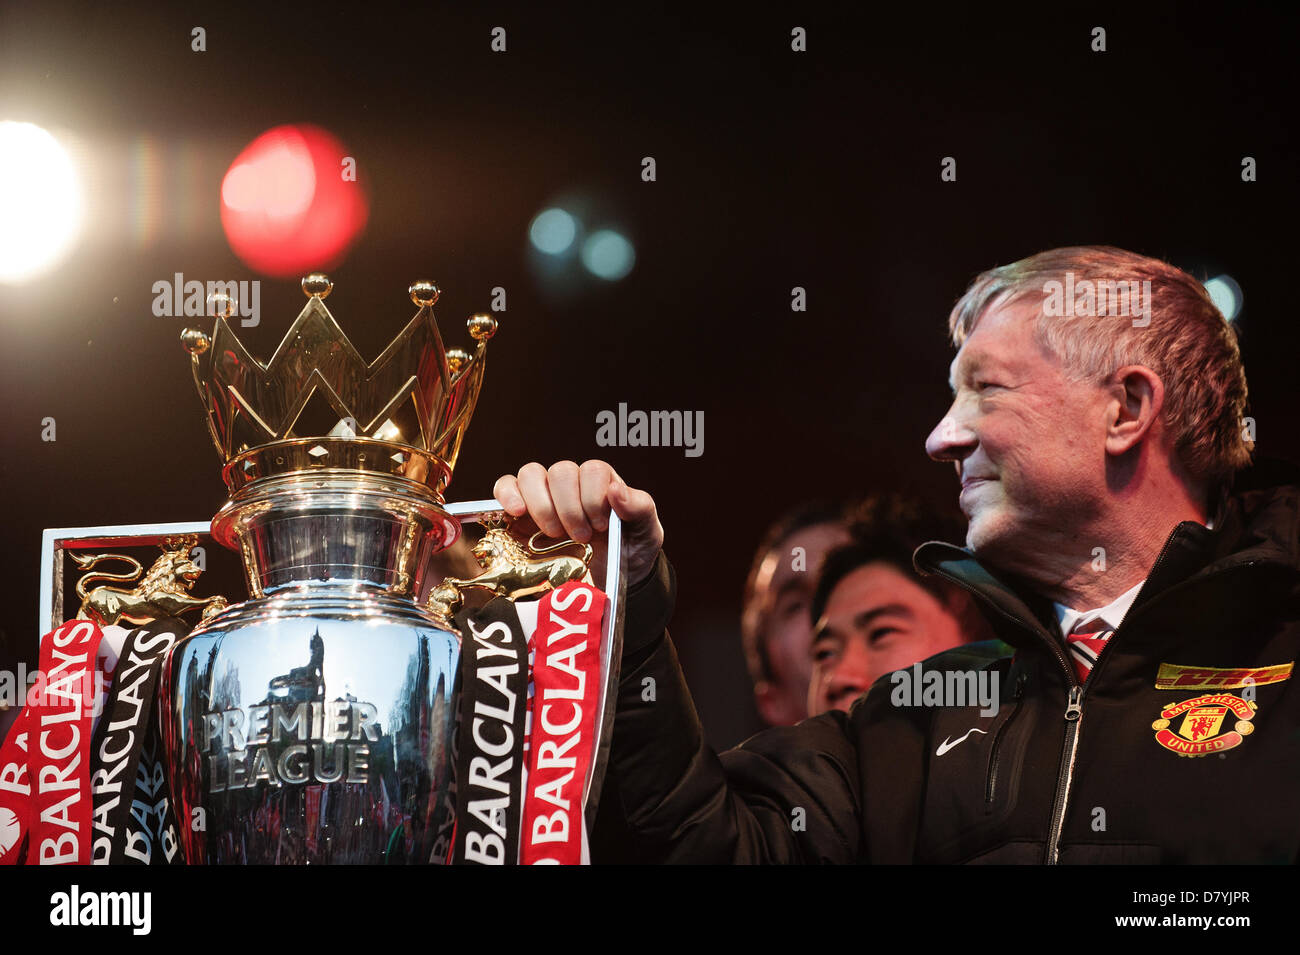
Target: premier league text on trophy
x,y
324,742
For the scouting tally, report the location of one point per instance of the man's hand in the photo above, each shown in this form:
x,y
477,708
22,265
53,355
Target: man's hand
x,y
572,501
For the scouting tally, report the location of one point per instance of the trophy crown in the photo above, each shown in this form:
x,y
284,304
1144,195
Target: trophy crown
x,y
318,405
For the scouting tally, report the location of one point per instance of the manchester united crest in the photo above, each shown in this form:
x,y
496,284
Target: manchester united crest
x,y
1199,732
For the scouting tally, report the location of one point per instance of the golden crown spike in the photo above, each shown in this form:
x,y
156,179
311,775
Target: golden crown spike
x,y
318,405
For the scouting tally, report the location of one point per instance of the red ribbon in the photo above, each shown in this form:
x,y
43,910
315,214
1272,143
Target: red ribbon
x,y
45,762
566,695
15,790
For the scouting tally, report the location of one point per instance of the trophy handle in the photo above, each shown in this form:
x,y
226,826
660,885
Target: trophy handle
x,y
55,541
511,569
611,639
611,658
164,590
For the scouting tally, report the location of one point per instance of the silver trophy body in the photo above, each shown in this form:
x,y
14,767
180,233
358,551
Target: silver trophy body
x,y
313,723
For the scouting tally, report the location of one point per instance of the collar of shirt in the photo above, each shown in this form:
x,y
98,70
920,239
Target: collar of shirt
x,y
1107,617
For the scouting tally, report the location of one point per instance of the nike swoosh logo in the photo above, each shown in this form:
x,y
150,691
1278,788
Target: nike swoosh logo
x,y
946,745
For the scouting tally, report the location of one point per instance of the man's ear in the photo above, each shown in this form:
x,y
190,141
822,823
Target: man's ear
x,y
768,703
778,707
1137,400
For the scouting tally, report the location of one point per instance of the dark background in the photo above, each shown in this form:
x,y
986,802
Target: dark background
x,y
775,169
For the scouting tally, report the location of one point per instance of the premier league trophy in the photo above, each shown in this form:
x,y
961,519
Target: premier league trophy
x,y
315,722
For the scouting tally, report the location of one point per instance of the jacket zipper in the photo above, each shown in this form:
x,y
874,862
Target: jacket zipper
x,y
1073,717
1073,709
1074,720
990,785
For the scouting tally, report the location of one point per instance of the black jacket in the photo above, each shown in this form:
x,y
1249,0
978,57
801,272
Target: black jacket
x,y
1043,780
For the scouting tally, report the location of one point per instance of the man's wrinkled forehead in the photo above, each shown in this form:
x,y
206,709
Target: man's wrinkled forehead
x,y
998,337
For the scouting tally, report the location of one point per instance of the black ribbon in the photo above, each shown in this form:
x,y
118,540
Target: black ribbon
x,y
134,823
490,758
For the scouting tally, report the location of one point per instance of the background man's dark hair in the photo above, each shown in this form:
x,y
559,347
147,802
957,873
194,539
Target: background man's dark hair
x,y
888,528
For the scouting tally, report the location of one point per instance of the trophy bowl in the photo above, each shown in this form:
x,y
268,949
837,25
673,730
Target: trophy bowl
x,y
313,723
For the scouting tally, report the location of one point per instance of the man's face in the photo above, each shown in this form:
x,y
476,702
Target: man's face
x,y
784,590
877,620
1027,442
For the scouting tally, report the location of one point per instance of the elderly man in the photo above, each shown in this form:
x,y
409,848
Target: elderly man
x,y
1148,585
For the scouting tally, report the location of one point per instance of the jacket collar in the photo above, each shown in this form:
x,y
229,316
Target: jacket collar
x,y
1258,519
1257,523
1017,604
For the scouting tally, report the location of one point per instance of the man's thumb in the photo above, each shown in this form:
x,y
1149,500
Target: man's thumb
x,y
618,496
623,501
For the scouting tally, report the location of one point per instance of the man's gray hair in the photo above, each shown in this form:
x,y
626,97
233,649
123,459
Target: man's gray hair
x,y
1103,308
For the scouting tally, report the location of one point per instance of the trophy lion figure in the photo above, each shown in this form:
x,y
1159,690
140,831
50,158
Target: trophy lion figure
x,y
510,569
163,591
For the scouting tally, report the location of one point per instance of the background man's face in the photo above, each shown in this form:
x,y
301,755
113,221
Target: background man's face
x,y
1028,443
877,620
786,594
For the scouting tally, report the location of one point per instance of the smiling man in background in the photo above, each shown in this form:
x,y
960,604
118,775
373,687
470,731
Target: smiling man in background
x,y
873,613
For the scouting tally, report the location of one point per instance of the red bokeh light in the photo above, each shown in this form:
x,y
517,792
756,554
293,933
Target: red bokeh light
x,y
285,205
